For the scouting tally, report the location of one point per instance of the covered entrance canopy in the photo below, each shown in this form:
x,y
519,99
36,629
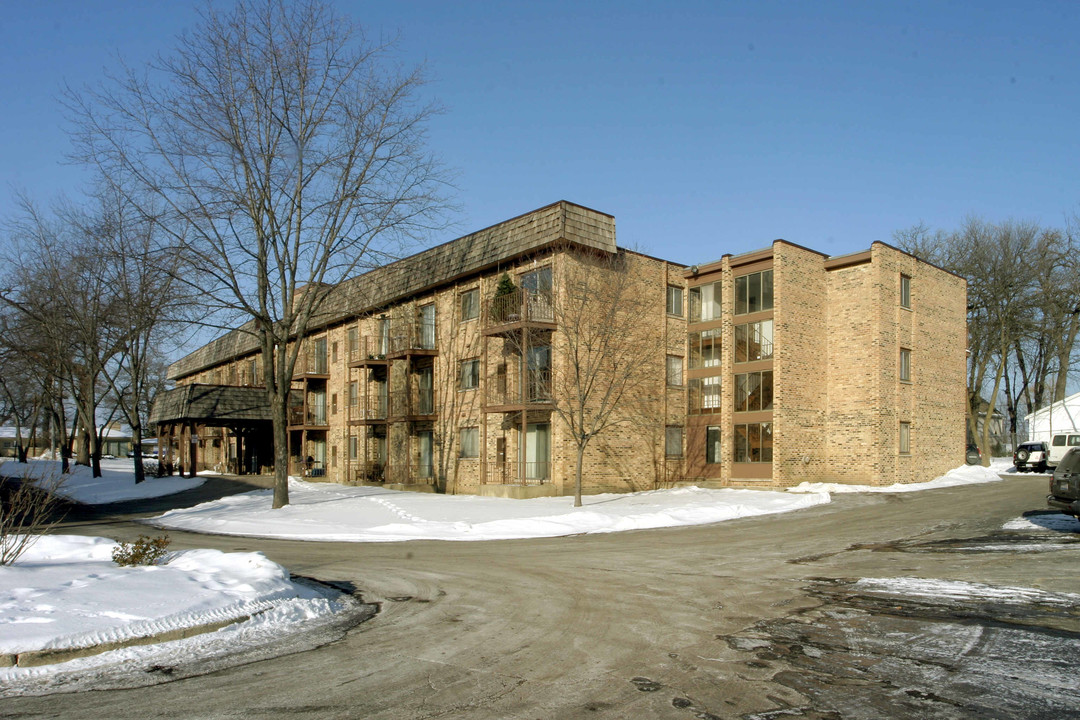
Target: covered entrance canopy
x,y
226,428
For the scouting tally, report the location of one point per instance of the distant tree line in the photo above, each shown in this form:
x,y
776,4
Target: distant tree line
x,y
1023,311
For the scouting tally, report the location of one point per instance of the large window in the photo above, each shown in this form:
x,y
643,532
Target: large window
x,y
673,436
905,438
674,371
674,300
754,341
470,442
705,303
354,446
712,445
704,348
905,291
754,391
754,292
705,395
470,374
753,443
470,304
905,365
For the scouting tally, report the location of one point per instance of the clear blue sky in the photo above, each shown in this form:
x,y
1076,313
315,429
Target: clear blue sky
x,y
704,127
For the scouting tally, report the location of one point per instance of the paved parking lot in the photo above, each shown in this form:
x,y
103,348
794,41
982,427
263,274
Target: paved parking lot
x,y
755,618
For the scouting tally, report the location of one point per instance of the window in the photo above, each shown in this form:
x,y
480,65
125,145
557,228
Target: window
x,y
712,445
673,441
753,443
754,341
353,342
354,447
674,300
470,304
705,395
470,374
905,291
704,302
333,456
469,442
905,365
704,348
905,438
333,351
754,391
674,371
354,393
754,292
333,403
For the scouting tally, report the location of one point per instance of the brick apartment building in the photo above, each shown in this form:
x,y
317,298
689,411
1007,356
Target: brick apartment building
x,y
763,369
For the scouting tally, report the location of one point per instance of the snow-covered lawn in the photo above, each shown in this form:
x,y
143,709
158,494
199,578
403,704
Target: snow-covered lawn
x,y
319,511
65,592
116,484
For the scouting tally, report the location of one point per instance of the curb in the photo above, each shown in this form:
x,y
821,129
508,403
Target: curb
x,y
37,658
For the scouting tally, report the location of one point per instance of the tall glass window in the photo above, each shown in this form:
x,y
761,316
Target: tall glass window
x,y
705,302
753,443
704,348
712,445
754,292
754,341
905,291
754,391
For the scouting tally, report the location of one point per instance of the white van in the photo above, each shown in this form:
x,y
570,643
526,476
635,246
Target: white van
x,y
1060,445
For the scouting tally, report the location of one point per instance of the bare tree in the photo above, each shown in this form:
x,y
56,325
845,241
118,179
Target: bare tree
x,y
29,508
288,152
602,347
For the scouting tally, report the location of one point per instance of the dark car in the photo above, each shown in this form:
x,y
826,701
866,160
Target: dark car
x,y
1065,484
1031,455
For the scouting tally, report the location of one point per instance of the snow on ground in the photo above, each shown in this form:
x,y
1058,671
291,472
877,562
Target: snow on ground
x,y
65,592
116,484
1059,522
958,590
963,475
319,511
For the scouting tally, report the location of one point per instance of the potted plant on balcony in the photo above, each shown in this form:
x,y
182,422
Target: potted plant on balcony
x,y
502,306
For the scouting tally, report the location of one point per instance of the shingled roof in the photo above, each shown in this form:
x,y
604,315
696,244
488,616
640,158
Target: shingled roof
x,y
202,403
558,223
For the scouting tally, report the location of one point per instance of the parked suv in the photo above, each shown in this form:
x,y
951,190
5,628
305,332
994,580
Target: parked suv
x,y
1065,484
1060,445
1031,455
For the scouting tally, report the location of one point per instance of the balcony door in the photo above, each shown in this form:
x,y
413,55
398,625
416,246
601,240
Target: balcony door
x,y
537,450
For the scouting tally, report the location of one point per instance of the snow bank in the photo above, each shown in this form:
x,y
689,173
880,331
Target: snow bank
x,y
65,592
963,475
370,514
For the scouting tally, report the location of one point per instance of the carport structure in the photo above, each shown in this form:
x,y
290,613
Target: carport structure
x,y
225,428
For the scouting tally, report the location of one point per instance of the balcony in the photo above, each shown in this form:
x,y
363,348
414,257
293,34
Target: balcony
x,y
363,472
517,473
311,364
308,416
406,405
512,394
370,351
519,309
412,338
413,473
369,410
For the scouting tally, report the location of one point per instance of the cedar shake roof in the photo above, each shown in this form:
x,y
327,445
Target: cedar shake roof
x,y
221,404
559,223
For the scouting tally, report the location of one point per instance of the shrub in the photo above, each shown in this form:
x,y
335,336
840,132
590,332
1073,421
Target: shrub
x,y
144,551
29,508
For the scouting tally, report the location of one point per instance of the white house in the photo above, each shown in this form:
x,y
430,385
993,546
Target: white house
x,y
1061,417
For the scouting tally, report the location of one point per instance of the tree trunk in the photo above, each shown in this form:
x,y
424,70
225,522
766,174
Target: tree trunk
x,y
281,453
136,449
577,473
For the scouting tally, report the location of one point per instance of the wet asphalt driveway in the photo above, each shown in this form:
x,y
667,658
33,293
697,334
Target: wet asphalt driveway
x,y
756,618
